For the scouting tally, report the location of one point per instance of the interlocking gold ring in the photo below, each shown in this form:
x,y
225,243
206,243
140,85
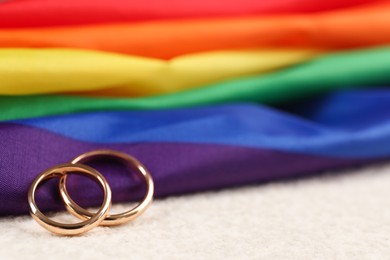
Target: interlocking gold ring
x,y
63,228
114,219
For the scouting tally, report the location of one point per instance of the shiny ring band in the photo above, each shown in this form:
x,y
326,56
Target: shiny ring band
x,y
114,219
64,228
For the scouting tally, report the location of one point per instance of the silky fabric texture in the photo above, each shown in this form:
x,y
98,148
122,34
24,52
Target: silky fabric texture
x,y
32,71
333,135
336,71
176,168
363,131
340,29
28,13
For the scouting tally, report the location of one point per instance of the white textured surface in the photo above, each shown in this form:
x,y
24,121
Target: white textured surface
x,y
331,217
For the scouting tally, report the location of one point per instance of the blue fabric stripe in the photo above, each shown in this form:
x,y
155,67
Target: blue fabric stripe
x,y
344,124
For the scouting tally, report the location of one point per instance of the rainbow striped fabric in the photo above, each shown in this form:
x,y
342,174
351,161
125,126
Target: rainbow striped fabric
x,y
207,94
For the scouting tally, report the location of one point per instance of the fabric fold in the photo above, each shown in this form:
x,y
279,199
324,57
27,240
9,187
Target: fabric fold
x,y
28,13
32,71
191,150
176,168
367,68
327,133
357,134
341,29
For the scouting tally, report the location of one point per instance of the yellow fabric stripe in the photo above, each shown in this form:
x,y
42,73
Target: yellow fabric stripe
x,y
33,71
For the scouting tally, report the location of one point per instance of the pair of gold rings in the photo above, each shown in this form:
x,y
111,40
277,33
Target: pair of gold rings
x,y
102,216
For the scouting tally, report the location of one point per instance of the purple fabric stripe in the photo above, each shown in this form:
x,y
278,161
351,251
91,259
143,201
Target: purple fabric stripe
x,y
176,168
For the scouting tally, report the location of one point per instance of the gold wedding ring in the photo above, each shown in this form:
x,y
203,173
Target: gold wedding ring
x,y
101,217
111,219
64,228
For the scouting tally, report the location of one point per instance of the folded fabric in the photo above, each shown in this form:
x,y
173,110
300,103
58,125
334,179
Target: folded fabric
x,y
190,150
333,30
48,13
254,127
31,71
332,72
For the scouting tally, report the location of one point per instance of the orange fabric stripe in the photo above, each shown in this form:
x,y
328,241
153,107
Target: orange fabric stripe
x,y
348,28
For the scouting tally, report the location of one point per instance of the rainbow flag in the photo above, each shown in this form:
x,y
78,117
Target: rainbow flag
x,y
206,94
